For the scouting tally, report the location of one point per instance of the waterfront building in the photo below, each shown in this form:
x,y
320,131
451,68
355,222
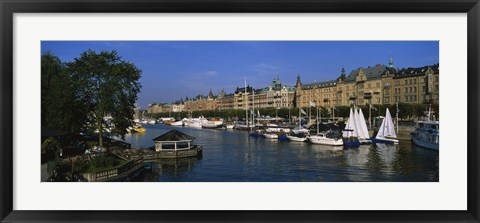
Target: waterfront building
x,y
275,95
379,84
160,107
225,101
202,103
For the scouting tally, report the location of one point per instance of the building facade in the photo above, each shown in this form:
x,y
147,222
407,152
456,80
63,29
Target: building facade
x,y
379,84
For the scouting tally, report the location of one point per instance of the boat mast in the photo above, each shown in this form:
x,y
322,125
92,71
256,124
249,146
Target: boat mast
x,y
246,103
253,105
299,117
318,122
333,113
397,117
370,115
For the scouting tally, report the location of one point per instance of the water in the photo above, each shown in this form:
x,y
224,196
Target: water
x,y
234,156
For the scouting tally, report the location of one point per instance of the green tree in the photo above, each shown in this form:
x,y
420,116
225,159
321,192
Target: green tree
x,y
60,108
107,85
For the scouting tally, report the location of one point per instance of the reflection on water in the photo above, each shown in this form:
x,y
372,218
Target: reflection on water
x,y
234,156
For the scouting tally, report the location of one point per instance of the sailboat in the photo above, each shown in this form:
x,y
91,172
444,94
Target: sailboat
x,y
363,136
386,133
245,127
350,133
299,129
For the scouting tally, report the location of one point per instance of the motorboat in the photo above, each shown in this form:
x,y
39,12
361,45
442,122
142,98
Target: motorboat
x,y
426,133
327,138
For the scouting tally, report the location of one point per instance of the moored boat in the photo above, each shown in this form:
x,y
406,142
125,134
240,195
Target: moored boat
x,y
350,133
270,135
325,139
386,132
426,133
301,137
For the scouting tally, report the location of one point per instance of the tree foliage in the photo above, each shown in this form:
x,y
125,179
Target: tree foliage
x,y
60,108
77,95
108,85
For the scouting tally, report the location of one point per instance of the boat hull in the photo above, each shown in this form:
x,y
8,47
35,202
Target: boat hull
x,y
385,140
297,139
325,141
423,144
271,136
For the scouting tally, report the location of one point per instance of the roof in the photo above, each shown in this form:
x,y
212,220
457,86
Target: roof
x,y
408,72
174,135
371,72
329,83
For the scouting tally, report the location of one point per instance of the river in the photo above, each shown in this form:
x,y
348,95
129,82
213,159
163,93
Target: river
x,y
234,156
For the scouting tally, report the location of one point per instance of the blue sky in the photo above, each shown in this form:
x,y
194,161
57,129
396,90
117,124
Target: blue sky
x,y
176,69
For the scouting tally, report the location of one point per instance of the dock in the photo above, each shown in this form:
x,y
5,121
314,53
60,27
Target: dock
x,y
152,155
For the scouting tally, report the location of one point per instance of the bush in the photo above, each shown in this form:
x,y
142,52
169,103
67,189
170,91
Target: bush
x,y
101,162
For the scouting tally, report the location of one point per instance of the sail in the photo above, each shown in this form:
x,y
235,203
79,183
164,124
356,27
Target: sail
x,y
390,127
387,129
350,125
381,130
362,125
355,124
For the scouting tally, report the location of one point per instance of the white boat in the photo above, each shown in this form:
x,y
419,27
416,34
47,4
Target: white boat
x,y
350,133
324,139
152,122
213,125
386,132
270,135
363,136
426,133
229,126
196,122
297,137
178,123
278,129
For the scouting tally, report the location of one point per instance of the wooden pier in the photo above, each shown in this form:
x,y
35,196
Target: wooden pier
x,y
149,155
116,174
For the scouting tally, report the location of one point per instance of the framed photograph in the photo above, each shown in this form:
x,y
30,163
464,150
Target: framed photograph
x,y
199,111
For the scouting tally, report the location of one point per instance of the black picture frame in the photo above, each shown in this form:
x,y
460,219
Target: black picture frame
x,y
9,7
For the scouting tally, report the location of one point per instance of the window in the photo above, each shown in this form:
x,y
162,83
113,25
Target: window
x,y
414,81
410,90
414,89
410,81
424,88
406,98
406,81
386,84
406,90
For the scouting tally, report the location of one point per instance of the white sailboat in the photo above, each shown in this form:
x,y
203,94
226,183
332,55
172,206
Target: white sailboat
x,y
350,134
362,128
299,129
386,133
